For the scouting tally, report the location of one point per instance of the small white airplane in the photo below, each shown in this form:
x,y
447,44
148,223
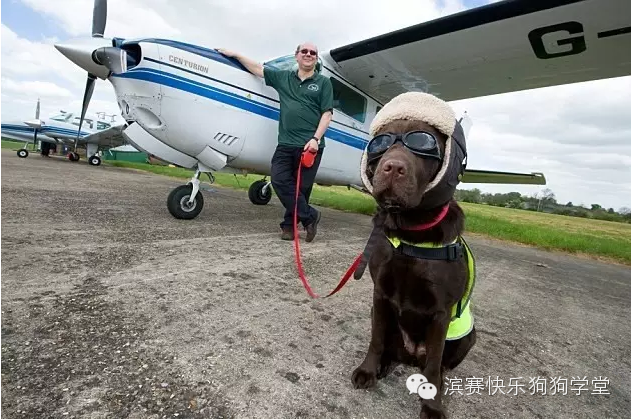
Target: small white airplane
x,y
193,107
63,128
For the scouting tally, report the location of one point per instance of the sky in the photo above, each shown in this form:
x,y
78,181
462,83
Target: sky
x,y
578,135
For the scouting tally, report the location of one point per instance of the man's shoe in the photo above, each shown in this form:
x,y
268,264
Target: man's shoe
x,y
312,228
287,234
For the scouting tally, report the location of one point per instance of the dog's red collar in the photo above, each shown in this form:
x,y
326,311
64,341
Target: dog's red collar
x,y
431,223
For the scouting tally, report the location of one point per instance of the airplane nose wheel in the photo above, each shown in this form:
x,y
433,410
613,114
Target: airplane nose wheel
x,y
22,153
72,156
95,160
260,192
179,206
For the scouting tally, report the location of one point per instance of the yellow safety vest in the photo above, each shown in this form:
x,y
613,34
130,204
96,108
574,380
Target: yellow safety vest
x,y
461,322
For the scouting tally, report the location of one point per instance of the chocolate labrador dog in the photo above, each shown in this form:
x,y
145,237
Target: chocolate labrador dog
x,y
418,262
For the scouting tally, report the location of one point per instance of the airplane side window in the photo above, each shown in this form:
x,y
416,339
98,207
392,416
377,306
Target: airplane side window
x,y
101,125
348,101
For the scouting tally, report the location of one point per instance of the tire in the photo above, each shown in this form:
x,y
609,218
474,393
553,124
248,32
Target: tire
x,y
22,153
255,193
177,198
95,160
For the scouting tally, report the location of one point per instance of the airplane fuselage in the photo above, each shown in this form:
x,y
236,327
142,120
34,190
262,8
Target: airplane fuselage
x,y
51,131
207,109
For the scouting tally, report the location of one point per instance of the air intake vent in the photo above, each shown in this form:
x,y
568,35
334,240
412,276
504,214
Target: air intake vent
x,y
225,138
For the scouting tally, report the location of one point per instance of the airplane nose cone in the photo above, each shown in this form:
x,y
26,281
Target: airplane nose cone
x,y
80,53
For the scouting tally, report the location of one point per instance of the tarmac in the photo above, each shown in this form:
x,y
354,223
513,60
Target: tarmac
x,y
113,308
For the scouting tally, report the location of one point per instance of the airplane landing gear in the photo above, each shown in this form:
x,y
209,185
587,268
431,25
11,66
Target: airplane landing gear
x,y
185,202
72,156
260,192
22,153
94,160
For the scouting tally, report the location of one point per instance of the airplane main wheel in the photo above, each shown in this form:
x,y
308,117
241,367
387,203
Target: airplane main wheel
x,y
178,206
72,156
256,194
95,160
22,153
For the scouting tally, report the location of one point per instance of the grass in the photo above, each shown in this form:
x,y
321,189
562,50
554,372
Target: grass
x,y
336,197
606,240
15,145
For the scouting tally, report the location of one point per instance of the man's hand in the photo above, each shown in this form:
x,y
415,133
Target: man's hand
x,y
226,52
312,145
252,66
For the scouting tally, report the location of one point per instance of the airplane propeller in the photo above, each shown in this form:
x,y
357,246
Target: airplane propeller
x,y
36,124
99,19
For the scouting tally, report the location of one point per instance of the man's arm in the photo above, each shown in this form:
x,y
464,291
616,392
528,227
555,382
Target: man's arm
x,y
252,66
325,120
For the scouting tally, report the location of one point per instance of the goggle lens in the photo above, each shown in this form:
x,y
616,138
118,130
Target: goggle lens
x,y
419,142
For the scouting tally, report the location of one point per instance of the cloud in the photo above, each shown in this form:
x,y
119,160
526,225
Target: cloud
x,y
32,70
34,88
131,18
578,135
24,59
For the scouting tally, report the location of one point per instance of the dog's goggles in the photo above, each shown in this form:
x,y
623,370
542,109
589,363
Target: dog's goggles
x,y
420,143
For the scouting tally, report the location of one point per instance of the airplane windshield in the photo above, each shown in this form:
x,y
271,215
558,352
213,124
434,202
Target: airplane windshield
x,y
282,63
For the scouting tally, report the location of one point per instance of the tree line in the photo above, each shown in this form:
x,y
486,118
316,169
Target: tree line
x,y
544,201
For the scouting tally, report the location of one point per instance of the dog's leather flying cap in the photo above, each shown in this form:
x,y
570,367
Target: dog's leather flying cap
x,y
437,113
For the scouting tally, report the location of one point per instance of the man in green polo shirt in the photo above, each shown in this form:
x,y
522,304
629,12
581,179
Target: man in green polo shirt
x,y
306,109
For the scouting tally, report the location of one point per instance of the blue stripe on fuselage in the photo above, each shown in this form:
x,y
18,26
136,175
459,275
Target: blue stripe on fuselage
x,y
195,49
44,129
23,128
220,95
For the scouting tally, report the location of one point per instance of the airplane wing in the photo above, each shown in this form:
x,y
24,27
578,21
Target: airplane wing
x,y
501,47
486,176
111,137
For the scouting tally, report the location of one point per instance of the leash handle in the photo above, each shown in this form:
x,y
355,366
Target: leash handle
x,y
307,160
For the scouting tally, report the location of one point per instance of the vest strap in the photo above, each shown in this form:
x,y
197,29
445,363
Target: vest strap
x,y
450,252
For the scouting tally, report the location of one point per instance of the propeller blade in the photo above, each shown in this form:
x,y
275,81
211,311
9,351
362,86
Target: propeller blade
x,y
115,59
89,89
37,110
99,18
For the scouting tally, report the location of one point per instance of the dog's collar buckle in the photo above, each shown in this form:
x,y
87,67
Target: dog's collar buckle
x,y
454,251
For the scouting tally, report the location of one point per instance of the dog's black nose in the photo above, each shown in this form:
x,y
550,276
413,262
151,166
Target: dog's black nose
x,y
394,167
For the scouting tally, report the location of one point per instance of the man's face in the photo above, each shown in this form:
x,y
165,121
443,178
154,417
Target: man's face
x,y
307,56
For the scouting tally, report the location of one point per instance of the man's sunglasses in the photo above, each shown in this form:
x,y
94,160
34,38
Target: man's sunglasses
x,y
420,143
304,51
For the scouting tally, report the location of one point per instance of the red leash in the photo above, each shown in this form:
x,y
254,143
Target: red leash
x,y
307,160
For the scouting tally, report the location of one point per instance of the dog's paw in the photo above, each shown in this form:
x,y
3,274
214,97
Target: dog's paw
x,y
362,378
429,412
